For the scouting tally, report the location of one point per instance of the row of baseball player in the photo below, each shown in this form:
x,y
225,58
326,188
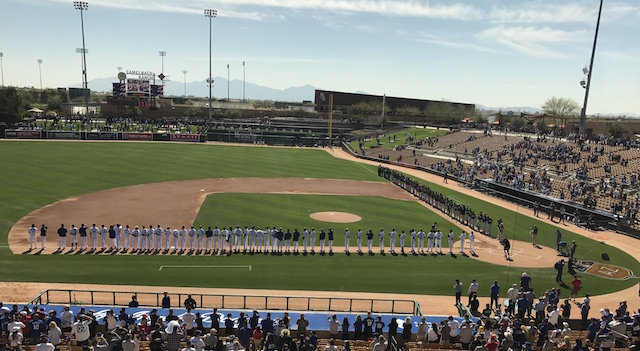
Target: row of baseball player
x,y
230,240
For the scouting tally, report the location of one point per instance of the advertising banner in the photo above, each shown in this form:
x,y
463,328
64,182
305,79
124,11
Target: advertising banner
x,y
22,134
137,136
102,135
185,137
64,135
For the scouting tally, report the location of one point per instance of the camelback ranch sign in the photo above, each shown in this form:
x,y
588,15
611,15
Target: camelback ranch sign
x,y
604,270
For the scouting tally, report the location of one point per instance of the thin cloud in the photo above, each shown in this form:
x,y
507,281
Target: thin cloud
x,y
534,41
233,8
561,13
458,45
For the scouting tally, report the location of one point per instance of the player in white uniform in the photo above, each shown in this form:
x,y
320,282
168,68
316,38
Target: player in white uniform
x,y
201,233
312,240
259,235
32,237
421,236
392,241
359,240
252,239
224,236
413,241
305,237
118,229
192,238
381,240
237,236
439,241
216,240
402,237
127,238
183,239
450,239
135,236
73,233
103,237
347,235
267,238
93,232
167,238
176,237
158,238
144,237
245,239
230,240
463,236
472,240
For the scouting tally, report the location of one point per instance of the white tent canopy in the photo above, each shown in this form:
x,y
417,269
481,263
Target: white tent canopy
x,y
35,110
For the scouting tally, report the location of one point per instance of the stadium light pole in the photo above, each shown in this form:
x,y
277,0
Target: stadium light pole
x,y
40,71
82,6
583,112
185,82
228,82
162,55
2,68
81,51
211,14
244,80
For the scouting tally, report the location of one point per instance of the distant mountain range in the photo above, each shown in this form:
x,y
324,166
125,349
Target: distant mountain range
x,y
219,91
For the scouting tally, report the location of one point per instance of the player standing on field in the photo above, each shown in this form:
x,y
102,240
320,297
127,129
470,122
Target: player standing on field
x,y
43,236
346,240
73,232
32,237
62,235
402,237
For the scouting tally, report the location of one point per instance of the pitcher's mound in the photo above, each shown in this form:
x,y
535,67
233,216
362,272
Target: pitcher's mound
x,y
335,217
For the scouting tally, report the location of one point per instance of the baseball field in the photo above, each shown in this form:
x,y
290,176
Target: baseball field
x,y
227,185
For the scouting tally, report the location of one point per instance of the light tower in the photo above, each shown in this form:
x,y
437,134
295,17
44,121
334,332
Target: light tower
x,y
211,14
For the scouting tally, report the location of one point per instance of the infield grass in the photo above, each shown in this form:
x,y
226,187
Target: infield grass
x,y
35,174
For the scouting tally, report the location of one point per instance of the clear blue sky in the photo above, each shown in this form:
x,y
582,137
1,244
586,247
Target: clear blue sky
x,y
491,52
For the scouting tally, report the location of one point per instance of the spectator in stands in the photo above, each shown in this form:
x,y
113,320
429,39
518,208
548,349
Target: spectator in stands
x,y
334,326
36,327
196,342
357,328
267,325
189,302
331,346
303,323
257,338
175,334
128,344
380,344
432,335
44,344
345,328
368,326
134,301
211,340
166,300
54,334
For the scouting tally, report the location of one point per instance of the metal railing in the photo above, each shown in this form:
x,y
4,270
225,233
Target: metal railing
x,y
228,301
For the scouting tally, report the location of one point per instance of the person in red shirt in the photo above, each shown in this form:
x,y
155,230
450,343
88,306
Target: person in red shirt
x,y
575,286
492,344
257,336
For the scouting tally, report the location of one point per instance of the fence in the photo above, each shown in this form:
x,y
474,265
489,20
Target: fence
x,y
229,301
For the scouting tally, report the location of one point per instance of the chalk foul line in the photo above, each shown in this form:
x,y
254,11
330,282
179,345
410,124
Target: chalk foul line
x,y
203,266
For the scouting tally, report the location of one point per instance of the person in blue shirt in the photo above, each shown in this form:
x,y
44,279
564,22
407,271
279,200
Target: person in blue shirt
x,y
36,327
495,293
368,326
296,239
357,328
215,319
330,237
53,317
523,306
593,329
379,324
267,324
166,301
228,325
559,266
543,330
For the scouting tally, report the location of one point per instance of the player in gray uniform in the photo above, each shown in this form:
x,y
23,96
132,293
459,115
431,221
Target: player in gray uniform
x,y
93,233
450,239
359,240
224,236
381,240
413,241
245,238
312,240
402,237
230,236
392,241
274,239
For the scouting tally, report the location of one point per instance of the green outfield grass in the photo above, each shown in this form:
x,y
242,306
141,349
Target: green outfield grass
x,y
38,173
400,138
292,211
